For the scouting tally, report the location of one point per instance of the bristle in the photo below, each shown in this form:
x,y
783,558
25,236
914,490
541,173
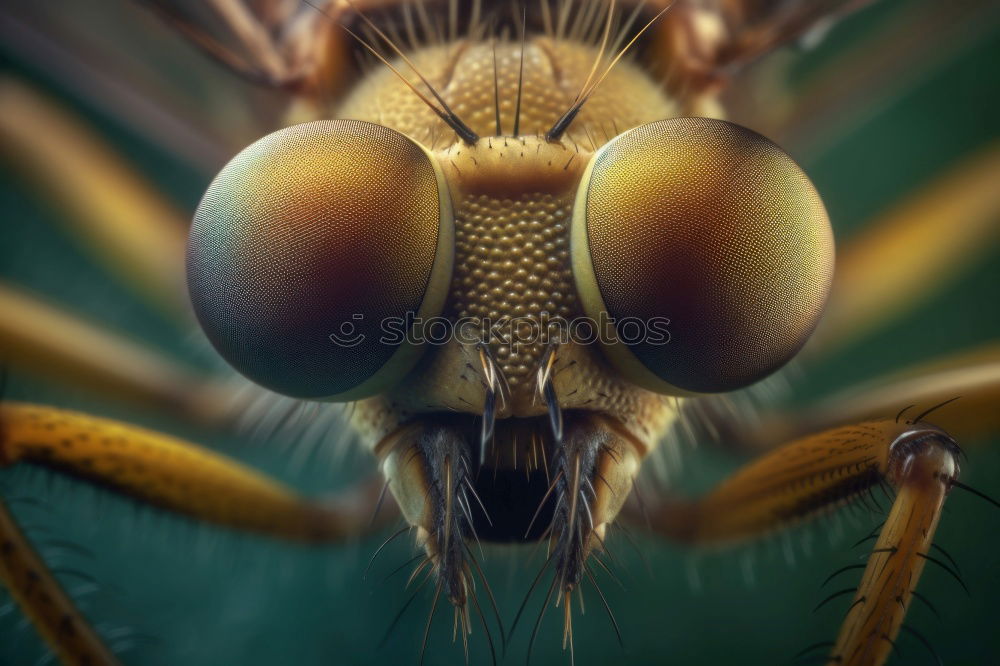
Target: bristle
x,y
450,117
496,88
564,122
520,77
430,620
600,52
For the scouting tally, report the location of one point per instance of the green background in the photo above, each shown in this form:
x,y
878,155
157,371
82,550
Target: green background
x,y
168,591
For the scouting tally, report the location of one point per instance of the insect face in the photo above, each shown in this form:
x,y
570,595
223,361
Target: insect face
x,y
518,424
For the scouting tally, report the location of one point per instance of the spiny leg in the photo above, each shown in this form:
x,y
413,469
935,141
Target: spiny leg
x,y
43,600
820,472
922,471
155,469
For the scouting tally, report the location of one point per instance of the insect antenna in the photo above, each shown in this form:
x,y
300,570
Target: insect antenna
x,y
567,118
450,117
627,26
520,75
593,25
903,411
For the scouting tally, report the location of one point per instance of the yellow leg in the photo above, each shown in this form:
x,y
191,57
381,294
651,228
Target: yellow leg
x,y
167,472
53,613
819,472
923,477
156,469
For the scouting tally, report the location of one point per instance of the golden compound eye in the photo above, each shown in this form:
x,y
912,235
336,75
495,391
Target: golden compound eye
x,y
309,251
710,226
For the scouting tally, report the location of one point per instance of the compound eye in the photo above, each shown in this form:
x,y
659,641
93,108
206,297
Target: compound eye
x,y
710,226
307,247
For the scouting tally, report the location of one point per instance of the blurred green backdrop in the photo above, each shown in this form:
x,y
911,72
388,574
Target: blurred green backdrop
x,y
167,591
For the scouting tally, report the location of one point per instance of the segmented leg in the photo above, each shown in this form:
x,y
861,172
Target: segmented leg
x,y
43,600
155,469
44,340
169,473
922,471
822,471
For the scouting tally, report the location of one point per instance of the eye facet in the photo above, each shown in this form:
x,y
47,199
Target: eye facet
x,y
307,243
710,226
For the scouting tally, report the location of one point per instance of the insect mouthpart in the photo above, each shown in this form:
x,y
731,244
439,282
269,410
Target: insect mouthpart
x,y
533,485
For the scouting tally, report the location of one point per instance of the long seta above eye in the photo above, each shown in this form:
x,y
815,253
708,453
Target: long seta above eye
x,y
307,247
710,236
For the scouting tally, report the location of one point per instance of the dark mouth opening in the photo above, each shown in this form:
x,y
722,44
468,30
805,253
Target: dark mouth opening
x,y
512,498
511,486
